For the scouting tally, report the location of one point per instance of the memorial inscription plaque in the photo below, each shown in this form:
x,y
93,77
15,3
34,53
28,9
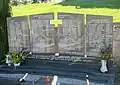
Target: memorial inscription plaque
x,y
18,32
42,33
71,33
99,33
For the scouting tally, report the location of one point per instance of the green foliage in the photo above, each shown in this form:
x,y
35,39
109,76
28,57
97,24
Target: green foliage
x,y
14,3
30,9
106,53
25,2
5,11
16,57
2,56
35,1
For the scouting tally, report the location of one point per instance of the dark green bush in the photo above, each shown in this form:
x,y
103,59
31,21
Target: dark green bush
x,y
5,11
25,2
14,3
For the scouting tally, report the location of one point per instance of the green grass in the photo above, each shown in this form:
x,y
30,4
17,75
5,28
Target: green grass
x,y
97,7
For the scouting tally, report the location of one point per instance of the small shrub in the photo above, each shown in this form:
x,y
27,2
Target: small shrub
x,y
106,53
16,57
14,3
25,2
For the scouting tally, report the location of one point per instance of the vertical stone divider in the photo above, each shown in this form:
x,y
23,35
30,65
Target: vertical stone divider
x,y
56,40
56,23
85,36
29,33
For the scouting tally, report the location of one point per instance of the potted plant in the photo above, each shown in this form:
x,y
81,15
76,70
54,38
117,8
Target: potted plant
x,y
106,54
16,58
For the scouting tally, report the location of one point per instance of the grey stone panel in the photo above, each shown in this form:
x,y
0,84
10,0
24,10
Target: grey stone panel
x,y
18,32
99,31
41,33
71,33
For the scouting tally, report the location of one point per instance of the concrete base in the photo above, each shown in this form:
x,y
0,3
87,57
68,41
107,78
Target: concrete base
x,y
63,69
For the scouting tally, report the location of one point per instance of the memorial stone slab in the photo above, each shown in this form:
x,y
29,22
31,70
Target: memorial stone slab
x,y
99,31
42,33
18,32
71,33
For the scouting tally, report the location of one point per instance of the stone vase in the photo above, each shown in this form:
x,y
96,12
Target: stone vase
x,y
8,61
103,68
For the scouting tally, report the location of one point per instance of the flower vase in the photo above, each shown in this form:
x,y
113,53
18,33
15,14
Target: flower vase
x,y
8,61
103,68
16,64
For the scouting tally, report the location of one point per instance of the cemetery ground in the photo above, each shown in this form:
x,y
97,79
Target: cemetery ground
x,y
97,7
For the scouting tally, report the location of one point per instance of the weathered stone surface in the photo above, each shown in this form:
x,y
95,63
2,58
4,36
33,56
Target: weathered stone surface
x,y
71,33
116,40
99,33
70,36
41,33
18,32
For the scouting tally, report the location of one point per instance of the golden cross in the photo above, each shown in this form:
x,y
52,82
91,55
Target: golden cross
x,y
56,22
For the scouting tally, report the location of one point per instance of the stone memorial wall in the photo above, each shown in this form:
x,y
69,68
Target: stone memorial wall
x,y
70,37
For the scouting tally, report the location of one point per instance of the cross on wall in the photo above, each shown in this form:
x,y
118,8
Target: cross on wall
x,y
56,21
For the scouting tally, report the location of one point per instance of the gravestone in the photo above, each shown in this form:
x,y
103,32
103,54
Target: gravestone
x,y
99,33
42,33
71,33
116,39
18,32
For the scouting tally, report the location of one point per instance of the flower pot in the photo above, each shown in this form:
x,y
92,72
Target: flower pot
x,y
103,68
16,64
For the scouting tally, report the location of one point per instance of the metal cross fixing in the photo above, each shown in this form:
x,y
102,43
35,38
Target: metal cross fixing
x,y
56,22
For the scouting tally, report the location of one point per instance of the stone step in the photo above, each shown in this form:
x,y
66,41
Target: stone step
x,y
66,63
66,68
80,70
92,77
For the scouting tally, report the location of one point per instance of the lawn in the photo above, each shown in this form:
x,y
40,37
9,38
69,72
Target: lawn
x,y
97,7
